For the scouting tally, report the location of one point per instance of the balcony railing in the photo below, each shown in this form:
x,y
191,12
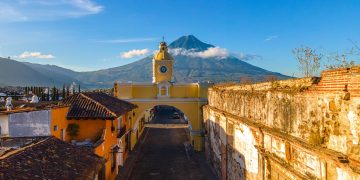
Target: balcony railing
x,y
100,139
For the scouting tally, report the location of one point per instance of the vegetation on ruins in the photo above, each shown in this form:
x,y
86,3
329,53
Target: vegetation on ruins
x,y
309,60
343,60
270,78
339,60
246,80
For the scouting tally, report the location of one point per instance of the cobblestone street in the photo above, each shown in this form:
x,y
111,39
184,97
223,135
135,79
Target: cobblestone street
x,y
162,155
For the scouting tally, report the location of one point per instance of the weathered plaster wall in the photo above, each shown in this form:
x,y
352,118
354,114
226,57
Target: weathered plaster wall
x,y
301,128
33,123
4,125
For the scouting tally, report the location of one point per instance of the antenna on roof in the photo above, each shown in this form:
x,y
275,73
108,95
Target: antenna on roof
x,y
163,39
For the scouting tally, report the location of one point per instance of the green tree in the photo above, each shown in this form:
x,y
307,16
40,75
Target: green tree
x,y
48,94
57,94
53,93
73,129
67,91
42,96
63,92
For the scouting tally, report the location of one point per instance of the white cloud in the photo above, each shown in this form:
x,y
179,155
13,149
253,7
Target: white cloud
x,y
246,57
213,52
38,55
30,10
126,40
216,52
134,53
87,5
270,38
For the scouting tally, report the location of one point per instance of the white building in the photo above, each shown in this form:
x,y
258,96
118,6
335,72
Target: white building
x,y
25,123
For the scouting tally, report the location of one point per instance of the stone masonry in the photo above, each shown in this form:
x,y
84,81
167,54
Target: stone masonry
x,y
306,128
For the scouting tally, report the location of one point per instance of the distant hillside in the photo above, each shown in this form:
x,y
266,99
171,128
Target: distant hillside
x,y
15,73
187,69
139,71
47,69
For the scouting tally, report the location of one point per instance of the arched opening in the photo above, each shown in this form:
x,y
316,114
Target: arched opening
x,y
165,114
177,115
162,116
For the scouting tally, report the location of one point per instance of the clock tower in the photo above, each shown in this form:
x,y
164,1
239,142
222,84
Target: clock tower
x,y
162,65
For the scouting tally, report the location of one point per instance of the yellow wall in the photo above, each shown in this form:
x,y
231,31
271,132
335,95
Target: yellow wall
x,y
89,129
125,91
184,91
144,91
191,109
159,76
203,90
104,150
58,117
150,91
187,97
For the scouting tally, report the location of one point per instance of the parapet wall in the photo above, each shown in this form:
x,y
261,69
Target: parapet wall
x,y
294,129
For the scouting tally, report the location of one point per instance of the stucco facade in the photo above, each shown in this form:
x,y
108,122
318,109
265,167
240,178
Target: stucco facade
x,y
187,97
99,131
27,123
104,130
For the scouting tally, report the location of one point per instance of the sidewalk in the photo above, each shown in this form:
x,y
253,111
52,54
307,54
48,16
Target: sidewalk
x,y
126,170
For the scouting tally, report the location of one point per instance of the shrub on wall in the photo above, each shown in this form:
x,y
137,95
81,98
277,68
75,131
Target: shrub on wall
x,y
73,129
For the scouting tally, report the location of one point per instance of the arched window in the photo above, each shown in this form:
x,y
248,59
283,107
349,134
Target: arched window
x,y
163,91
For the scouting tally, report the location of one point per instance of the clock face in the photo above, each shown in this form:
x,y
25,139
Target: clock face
x,y
163,69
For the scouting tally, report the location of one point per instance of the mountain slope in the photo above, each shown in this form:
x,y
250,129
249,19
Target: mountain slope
x,y
52,69
186,69
190,42
15,73
139,71
58,74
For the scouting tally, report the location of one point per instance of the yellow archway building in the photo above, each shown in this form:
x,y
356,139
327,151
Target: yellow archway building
x,y
187,97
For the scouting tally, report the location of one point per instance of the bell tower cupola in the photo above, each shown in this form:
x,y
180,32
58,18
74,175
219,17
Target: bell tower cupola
x,y
162,65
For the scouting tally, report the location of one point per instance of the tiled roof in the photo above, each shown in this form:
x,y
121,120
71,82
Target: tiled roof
x,y
50,158
21,106
93,105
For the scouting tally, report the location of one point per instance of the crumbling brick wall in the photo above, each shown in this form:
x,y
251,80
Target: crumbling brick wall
x,y
300,128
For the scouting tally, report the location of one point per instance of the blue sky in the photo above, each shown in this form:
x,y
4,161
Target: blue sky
x,y
94,34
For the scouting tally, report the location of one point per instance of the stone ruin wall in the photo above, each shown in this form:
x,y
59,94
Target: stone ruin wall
x,y
305,128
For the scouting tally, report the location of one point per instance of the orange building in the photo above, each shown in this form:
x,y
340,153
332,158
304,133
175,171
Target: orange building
x,y
97,121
